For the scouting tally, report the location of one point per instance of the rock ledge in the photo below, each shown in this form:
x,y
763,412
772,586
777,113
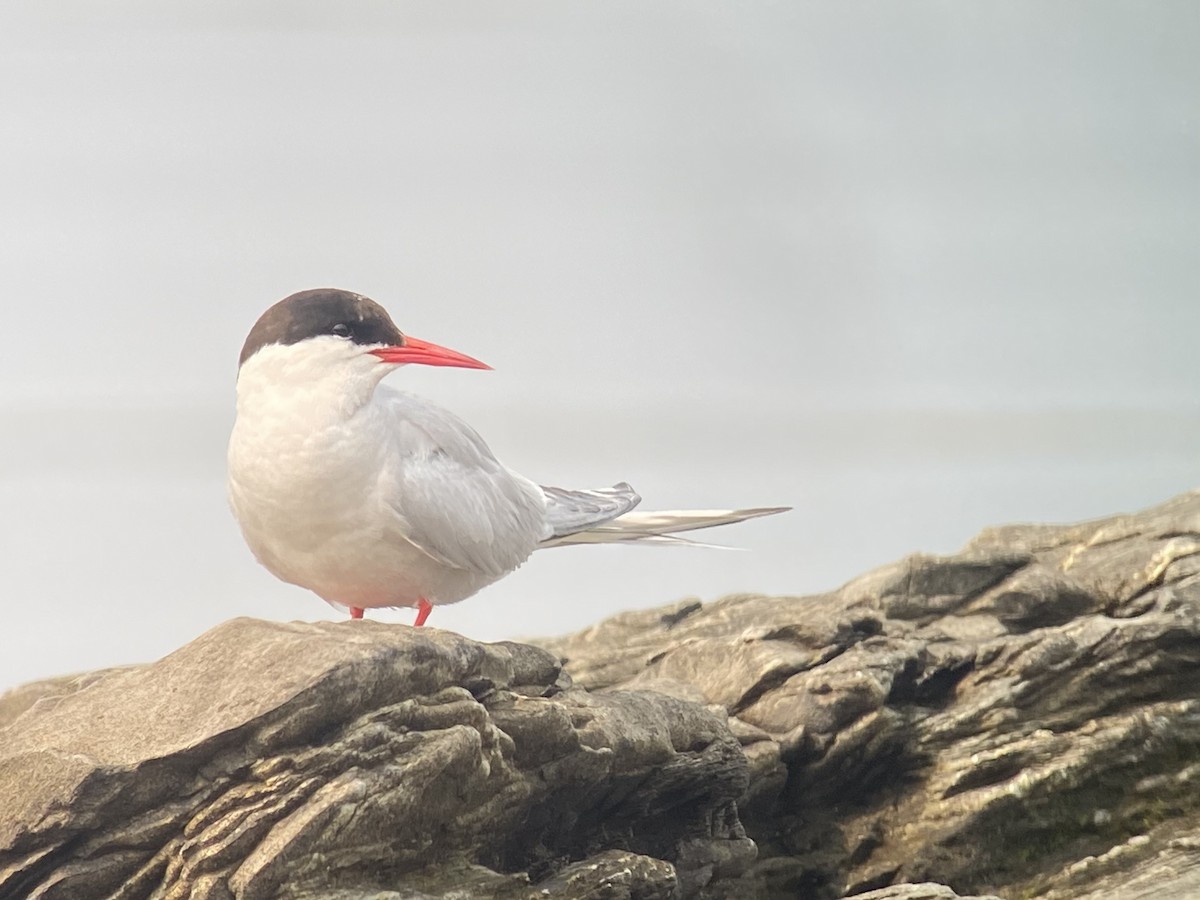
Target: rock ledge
x,y
1018,720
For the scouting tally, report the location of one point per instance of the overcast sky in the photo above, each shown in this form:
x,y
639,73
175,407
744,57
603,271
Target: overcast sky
x,y
912,267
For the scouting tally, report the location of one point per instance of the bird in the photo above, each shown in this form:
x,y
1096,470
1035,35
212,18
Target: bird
x,y
372,497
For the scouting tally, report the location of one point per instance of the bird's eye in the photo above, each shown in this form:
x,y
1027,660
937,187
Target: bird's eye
x,y
341,329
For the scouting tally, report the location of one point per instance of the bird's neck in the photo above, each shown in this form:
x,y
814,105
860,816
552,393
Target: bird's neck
x,y
279,390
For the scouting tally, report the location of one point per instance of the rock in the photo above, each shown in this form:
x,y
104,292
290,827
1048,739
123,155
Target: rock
x,y
19,699
923,891
289,761
1019,719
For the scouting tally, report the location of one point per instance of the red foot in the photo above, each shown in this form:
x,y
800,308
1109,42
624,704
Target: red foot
x,y
424,608
356,612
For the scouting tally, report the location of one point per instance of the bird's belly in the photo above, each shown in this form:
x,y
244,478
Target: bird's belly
x,y
333,536
351,559
319,507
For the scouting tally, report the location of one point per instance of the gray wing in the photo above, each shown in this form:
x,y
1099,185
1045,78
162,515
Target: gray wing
x,y
569,512
455,500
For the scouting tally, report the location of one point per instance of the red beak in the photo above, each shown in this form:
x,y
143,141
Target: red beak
x,y
424,353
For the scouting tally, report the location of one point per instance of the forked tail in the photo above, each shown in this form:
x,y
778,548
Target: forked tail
x,y
659,526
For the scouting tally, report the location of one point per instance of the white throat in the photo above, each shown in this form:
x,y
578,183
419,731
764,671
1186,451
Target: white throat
x,y
320,379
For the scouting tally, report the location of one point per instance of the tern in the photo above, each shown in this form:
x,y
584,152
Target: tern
x,y
371,497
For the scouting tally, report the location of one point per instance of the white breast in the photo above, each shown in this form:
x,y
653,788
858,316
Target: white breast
x,y
366,496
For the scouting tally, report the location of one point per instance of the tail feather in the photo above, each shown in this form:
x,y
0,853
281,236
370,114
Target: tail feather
x,y
659,527
569,512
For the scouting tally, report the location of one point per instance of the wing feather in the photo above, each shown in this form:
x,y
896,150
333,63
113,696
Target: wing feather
x,y
455,500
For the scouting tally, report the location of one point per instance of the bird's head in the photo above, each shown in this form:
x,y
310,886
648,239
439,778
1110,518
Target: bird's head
x,y
334,337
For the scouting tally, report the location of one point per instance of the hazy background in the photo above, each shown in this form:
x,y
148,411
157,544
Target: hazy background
x,y
912,268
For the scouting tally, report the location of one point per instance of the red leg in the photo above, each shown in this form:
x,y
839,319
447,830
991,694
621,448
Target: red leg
x,y
424,608
356,612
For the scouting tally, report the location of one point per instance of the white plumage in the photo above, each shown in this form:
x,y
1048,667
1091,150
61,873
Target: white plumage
x,y
372,497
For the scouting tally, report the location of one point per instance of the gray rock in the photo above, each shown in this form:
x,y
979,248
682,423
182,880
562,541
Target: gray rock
x,y
1022,718
361,760
923,891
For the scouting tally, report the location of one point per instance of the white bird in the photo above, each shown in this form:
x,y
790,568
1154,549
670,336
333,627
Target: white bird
x,y
371,497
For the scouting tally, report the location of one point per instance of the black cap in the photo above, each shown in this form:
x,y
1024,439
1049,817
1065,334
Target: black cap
x,y
322,311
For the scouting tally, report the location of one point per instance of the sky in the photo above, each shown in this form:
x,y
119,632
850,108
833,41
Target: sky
x,y
913,269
